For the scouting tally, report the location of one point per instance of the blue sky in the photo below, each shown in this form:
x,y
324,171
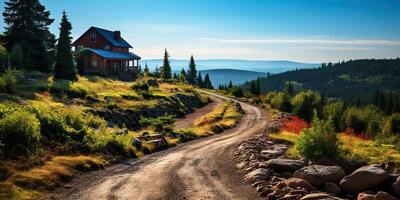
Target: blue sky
x,y
298,30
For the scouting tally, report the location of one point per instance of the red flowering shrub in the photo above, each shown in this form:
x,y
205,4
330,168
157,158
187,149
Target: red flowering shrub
x,y
294,124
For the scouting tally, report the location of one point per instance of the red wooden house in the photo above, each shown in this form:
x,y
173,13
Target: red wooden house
x,y
109,52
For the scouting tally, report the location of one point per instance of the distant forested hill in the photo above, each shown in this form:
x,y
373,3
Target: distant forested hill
x,y
223,76
356,78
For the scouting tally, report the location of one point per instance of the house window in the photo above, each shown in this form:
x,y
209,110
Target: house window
x,y
107,47
94,63
93,36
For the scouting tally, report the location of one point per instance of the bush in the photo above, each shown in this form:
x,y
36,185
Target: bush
x,y
365,120
3,57
334,111
141,86
237,92
304,104
281,101
318,141
391,124
20,133
8,82
160,125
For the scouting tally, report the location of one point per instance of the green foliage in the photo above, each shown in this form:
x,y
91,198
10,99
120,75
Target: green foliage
x,y
237,92
207,82
304,104
391,124
166,68
8,82
3,57
65,67
280,101
182,76
19,131
334,110
160,125
191,75
318,141
16,56
363,119
140,86
27,23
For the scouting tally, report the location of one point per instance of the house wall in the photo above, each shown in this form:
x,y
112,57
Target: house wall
x,y
85,41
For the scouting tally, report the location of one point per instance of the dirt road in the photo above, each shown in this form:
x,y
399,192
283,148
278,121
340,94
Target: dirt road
x,y
200,169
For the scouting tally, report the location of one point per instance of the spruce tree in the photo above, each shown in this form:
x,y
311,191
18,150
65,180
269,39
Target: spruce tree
x,y
175,76
27,24
200,81
166,68
192,72
65,67
182,76
207,82
146,69
230,86
157,72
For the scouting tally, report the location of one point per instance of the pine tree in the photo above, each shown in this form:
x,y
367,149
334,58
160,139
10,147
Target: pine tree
x,y
65,67
207,82
200,81
175,76
230,86
192,72
146,69
157,72
166,68
253,89
182,76
28,25
16,56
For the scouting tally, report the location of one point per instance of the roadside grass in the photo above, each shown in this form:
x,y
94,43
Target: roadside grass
x,y
30,184
354,148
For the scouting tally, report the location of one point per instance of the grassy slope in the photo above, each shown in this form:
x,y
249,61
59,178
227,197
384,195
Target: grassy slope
x,y
29,178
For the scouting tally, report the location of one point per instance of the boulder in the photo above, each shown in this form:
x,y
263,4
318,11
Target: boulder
x,y
295,183
332,188
366,177
257,175
318,175
320,195
380,196
282,165
396,186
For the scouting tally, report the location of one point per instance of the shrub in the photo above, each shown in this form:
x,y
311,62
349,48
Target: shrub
x,y
318,141
161,125
8,82
3,57
141,86
334,111
391,124
304,104
237,92
281,101
363,119
20,133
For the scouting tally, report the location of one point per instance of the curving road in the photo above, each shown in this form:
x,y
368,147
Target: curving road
x,y
200,169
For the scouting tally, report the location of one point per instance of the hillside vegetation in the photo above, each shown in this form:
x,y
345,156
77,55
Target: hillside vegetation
x,y
52,129
356,80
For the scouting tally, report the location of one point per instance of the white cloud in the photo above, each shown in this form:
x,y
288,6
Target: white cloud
x,y
306,41
334,48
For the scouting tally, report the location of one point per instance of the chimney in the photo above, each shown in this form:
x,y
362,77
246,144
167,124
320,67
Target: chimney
x,y
117,35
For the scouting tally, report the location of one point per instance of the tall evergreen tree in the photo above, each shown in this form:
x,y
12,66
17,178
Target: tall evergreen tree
x,y
146,69
207,82
28,25
65,67
157,72
166,68
230,86
182,76
192,72
200,80
175,76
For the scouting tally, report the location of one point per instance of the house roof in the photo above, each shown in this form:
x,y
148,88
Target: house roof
x,y
115,55
109,36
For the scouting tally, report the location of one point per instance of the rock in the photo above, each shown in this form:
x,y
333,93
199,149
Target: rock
x,y
363,178
396,186
241,165
287,174
320,195
384,196
296,183
380,196
365,196
152,82
284,164
332,188
318,175
257,175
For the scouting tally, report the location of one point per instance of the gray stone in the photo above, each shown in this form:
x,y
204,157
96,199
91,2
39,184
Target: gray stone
x,y
318,175
257,175
284,164
320,196
396,186
332,188
363,178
